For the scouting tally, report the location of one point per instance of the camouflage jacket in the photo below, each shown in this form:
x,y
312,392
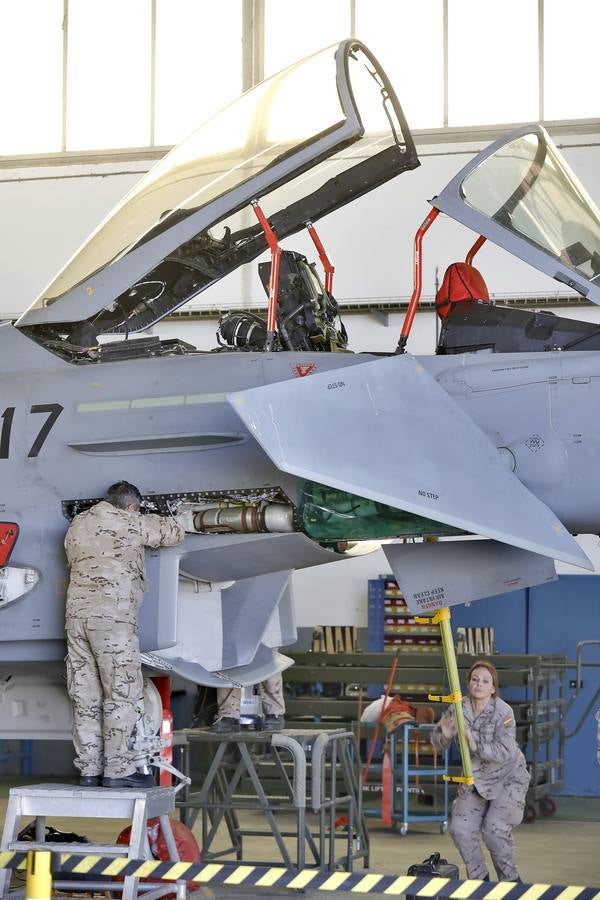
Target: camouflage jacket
x,y
497,760
105,552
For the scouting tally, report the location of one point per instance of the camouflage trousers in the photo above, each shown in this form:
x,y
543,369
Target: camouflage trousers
x,y
472,815
271,694
105,684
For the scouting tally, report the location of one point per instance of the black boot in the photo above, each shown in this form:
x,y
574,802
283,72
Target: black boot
x,y
226,725
90,780
135,780
273,723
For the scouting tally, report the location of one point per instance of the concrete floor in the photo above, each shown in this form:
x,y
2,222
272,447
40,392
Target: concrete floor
x,y
558,850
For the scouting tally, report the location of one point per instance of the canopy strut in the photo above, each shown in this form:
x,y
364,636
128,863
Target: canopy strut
x,y
325,261
275,249
476,246
417,280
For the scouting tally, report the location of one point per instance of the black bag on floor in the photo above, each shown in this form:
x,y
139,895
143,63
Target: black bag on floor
x,y
434,866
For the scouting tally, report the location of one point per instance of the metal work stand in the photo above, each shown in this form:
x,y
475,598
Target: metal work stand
x,y
42,800
544,746
333,791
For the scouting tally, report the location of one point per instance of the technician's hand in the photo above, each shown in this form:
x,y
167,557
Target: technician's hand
x,y
448,727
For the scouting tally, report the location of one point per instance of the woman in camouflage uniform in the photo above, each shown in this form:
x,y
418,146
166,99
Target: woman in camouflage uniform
x,y
493,805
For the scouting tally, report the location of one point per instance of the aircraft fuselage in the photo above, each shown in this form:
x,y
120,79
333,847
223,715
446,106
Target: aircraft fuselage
x,y
68,431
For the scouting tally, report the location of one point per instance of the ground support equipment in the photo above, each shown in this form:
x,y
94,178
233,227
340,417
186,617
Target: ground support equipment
x,y
276,773
544,747
410,781
137,805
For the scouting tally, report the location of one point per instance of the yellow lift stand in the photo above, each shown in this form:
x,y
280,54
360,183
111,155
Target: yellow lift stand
x,y
442,618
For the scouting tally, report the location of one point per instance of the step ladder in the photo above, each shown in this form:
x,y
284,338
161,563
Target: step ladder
x,y
137,805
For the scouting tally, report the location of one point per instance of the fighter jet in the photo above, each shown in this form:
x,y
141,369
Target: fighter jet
x,y
282,448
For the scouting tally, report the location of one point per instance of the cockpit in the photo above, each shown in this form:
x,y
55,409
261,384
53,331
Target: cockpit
x,y
301,144
521,194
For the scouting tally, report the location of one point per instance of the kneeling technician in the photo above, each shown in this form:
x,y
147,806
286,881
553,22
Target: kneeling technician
x,y
494,804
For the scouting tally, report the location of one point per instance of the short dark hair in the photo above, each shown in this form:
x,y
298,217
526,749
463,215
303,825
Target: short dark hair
x,y
123,494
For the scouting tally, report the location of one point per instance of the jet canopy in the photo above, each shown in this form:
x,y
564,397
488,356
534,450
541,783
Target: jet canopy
x,y
521,194
304,142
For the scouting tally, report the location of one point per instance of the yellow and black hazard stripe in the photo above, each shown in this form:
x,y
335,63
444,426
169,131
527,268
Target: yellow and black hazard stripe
x,y
235,874
12,860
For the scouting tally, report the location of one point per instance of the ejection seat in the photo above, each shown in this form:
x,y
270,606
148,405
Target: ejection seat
x,y
462,283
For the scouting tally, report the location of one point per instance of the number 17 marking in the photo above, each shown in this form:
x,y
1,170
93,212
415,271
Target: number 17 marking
x,y
52,409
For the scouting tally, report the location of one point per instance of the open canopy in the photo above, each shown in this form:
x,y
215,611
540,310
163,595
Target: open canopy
x,y
521,194
304,142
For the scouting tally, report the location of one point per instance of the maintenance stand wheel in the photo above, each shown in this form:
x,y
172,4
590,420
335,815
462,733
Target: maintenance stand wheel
x,y
443,828
404,829
529,814
546,807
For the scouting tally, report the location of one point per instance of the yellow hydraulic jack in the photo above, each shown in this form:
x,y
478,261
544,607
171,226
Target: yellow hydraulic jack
x,y
442,618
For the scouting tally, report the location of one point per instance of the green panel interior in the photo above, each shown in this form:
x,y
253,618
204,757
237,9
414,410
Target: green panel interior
x,y
327,514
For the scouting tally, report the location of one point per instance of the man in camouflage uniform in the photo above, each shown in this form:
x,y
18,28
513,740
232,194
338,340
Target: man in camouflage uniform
x,y
105,552
494,804
273,706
